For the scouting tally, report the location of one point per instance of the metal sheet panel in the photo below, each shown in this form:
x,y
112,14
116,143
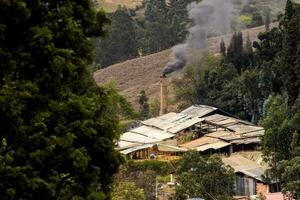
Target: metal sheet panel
x,y
184,125
199,142
134,137
134,149
152,132
215,146
170,148
244,165
198,110
125,144
246,141
166,121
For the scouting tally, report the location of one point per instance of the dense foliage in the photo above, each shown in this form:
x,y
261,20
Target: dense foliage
x,y
120,43
206,178
140,176
261,86
57,127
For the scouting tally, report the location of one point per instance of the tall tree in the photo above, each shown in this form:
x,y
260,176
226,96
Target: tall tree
x,y
121,42
157,32
235,52
58,129
248,53
287,62
223,48
205,178
144,105
267,19
278,135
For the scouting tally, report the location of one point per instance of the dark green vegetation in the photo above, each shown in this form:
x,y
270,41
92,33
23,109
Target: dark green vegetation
x,y
140,176
57,127
261,86
144,105
120,43
207,178
157,25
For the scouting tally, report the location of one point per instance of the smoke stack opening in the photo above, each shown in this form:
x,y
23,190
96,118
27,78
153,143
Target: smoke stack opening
x,y
163,94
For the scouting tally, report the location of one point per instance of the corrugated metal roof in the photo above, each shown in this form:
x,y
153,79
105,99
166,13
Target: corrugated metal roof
x,y
152,132
256,172
225,121
125,144
137,138
245,166
224,135
184,125
219,134
255,140
133,149
243,129
199,142
199,110
215,146
167,121
169,148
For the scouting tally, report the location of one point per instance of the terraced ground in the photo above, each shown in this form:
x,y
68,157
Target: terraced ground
x,y
143,73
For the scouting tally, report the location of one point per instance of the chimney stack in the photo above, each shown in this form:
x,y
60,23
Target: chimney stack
x,y
163,95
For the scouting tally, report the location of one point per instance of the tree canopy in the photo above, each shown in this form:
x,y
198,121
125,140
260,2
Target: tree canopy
x,y
58,128
206,178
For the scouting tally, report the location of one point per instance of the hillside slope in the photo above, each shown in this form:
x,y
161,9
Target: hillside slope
x,y
143,73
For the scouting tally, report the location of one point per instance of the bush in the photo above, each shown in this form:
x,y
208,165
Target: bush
x,y
160,167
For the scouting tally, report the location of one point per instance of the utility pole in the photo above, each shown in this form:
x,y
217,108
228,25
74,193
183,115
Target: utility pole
x,y
156,187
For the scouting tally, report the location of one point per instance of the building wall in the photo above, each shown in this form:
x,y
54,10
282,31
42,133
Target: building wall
x,y
262,189
245,186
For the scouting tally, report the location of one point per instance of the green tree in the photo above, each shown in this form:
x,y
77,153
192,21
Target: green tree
x,y
144,105
157,34
287,61
257,19
126,191
58,129
121,43
290,170
267,19
268,46
235,52
223,48
205,178
251,93
248,53
278,133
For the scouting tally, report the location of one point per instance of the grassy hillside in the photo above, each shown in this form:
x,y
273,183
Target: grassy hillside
x,y
143,73
112,5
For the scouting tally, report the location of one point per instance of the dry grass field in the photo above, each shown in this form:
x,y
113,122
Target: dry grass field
x,y
143,73
112,5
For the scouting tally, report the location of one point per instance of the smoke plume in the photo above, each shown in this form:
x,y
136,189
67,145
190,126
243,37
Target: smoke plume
x,y
208,17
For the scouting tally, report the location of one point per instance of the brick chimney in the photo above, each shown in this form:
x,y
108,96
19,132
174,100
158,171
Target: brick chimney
x,y
163,95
